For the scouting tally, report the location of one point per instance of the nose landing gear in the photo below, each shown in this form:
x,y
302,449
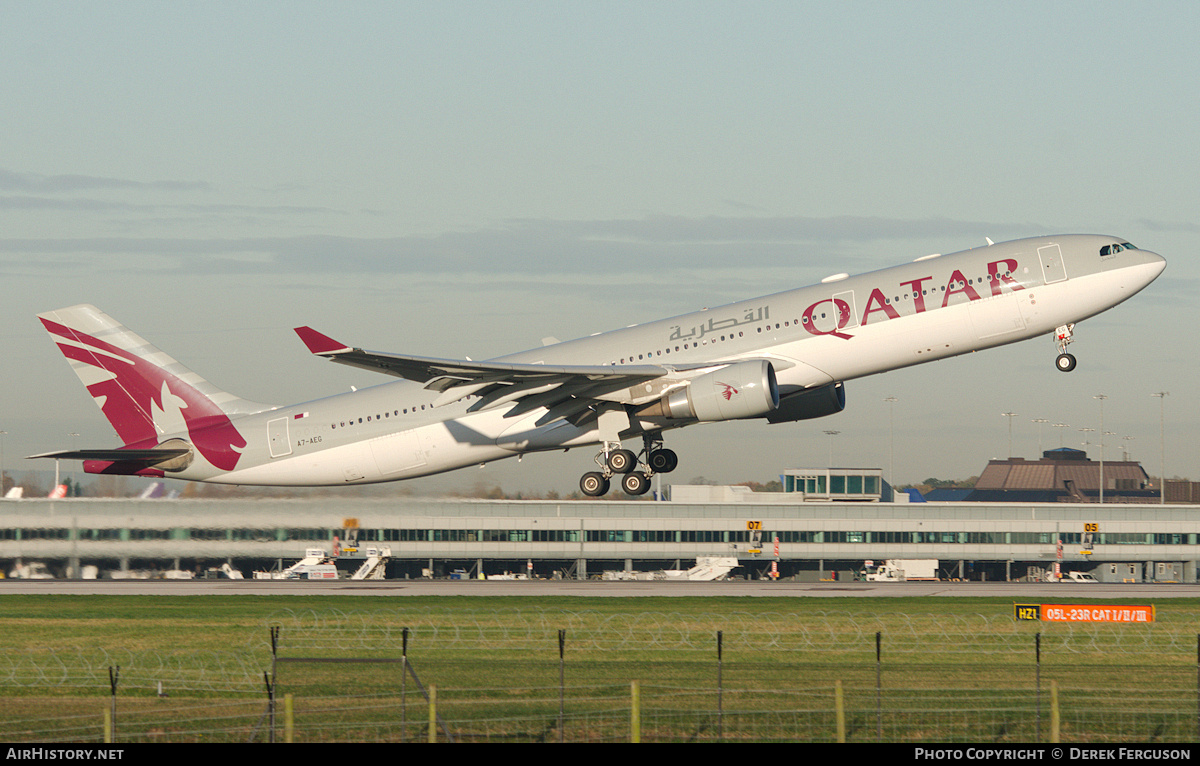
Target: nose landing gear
x,y
1062,338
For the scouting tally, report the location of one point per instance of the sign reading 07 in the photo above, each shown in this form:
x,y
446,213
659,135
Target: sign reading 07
x,y
753,526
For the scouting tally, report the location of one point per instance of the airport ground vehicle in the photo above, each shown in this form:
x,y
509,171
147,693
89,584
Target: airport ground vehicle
x,y
899,570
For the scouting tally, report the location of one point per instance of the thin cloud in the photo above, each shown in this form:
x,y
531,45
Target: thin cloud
x,y
648,246
1187,227
35,183
88,204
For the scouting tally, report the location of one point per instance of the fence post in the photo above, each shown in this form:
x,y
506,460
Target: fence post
x,y
839,709
114,677
270,682
404,685
720,691
432,713
270,708
562,641
879,685
1037,661
635,712
1055,720
289,720
108,732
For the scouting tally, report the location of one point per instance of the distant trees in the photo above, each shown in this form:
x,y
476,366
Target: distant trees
x,y
930,484
755,486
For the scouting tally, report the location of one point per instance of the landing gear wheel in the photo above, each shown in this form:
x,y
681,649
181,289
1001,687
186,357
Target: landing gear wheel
x,y
622,461
593,484
1065,362
635,483
663,461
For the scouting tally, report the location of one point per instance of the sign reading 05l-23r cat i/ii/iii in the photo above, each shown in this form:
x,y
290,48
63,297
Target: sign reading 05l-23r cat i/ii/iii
x,y
1083,613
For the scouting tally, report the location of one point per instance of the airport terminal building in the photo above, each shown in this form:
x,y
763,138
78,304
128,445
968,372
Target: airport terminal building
x,y
803,537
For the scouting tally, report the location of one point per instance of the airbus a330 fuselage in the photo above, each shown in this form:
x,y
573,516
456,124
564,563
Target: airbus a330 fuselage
x,y
782,357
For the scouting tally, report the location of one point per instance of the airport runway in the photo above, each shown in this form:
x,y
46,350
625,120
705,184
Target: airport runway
x,y
604,589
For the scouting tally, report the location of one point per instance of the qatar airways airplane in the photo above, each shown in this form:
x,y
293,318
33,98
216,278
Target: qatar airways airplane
x,y
783,358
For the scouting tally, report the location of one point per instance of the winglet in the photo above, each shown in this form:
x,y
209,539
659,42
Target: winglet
x,y
320,344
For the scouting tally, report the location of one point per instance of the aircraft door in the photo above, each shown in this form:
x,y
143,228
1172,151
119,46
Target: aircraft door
x,y
1053,267
998,316
277,437
400,452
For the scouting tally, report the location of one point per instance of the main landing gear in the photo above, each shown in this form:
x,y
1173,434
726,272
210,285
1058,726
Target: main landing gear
x,y
615,461
1062,338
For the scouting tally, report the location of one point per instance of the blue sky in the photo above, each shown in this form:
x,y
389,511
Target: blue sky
x,y
464,179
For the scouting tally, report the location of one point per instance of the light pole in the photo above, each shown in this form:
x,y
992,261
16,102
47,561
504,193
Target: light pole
x,y
831,434
74,448
1162,439
1086,438
891,400
1010,416
1041,424
2,433
1061,436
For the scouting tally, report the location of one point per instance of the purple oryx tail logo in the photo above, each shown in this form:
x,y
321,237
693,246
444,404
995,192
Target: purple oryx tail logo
x,y
145,394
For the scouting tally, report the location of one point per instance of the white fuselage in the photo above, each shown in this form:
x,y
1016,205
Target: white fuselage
x,y
844,328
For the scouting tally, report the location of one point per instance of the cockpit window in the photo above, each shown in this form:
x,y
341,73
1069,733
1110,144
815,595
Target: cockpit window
x,y
1114,249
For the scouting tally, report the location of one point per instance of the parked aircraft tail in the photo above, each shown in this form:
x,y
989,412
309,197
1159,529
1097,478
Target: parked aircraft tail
x,y
145,394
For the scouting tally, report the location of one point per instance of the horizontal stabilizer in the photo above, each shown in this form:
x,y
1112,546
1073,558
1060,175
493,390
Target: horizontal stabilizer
x,y
147,456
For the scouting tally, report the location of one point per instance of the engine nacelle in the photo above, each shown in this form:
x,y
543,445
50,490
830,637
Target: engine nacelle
x,y
814,403
742,390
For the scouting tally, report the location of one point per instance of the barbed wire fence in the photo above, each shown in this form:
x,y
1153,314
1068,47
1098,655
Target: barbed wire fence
x,y
784,676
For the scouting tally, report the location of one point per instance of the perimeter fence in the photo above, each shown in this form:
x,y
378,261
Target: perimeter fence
x,y
551,675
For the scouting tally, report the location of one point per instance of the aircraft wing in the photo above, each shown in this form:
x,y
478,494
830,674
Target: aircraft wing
x,y
540,385
441,374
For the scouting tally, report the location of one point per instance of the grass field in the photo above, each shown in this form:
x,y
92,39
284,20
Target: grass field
x,y
951,669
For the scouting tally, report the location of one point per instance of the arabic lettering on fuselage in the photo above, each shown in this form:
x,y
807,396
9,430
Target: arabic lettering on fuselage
x,y
760,314
1000,278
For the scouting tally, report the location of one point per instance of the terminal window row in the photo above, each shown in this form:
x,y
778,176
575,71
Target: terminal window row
x,y
321,535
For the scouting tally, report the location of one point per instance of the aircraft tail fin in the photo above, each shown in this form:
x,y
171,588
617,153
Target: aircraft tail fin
x,y
144,393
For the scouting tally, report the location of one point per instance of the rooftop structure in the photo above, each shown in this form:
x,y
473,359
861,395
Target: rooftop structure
x,y
838,484
1062,475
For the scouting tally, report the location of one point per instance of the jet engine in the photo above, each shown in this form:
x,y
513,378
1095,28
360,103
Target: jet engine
x,y
742,390
813,403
